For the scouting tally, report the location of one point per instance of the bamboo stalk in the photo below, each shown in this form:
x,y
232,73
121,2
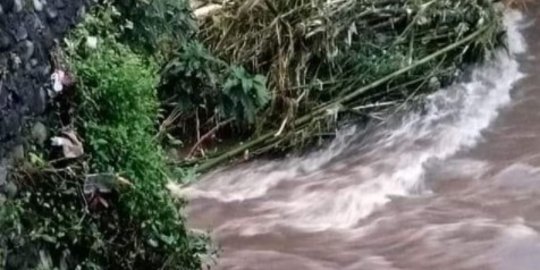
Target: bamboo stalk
x,y
382,80
269,138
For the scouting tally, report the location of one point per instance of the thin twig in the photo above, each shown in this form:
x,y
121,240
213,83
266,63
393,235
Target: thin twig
x,y
206,136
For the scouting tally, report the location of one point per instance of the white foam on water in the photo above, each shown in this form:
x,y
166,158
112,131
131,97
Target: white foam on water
x,y
518,248
392,165
254,180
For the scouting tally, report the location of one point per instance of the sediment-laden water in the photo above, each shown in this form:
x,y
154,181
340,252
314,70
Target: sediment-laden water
x,y
456,186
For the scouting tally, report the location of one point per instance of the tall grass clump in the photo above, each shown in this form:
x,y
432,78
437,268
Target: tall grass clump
x,y
156,28
54,223
118,110
331,61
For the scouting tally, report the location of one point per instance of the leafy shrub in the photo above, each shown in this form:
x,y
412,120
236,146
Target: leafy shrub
x,y
48,225
118,110
156,27
200,85
243,95
331,62
193,79
52,225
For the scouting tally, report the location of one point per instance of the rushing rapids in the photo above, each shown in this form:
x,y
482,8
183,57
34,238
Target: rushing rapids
x,y
455,186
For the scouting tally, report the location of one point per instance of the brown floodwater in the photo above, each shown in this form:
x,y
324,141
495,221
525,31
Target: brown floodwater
x,y
455,187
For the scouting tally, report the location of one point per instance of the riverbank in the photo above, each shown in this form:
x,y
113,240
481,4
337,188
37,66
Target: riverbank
x,y
133,82
324,64
454,186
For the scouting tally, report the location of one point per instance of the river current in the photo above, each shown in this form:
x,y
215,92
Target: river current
x,y
455,187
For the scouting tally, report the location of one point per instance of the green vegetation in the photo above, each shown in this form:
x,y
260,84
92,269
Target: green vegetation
x,y
118,110
268,75
330,62
54,223
156,28
203,88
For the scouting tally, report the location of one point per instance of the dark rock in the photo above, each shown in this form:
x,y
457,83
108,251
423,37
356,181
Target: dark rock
x,y
40,103
51,12
59,4
10,124
39,133
28,31
3,97
47,37
38,5
38,70
18,5
7,5
34,22
15,62
25,50
14,97
45,69
21,33
4,60
60,24
5,40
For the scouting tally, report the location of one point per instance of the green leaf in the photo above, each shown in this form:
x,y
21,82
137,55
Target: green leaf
x,y
247,84
230,84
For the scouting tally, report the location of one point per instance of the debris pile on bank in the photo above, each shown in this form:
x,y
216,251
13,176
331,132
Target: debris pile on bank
x,y
325,62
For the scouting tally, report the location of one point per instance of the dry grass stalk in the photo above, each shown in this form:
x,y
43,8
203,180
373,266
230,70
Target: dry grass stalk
x,y
518,4
319,54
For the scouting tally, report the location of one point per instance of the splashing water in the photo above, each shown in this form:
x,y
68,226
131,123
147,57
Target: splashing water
x,y
392,165
337,200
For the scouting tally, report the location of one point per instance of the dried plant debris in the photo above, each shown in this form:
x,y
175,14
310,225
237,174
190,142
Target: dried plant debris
x,y
70,144
328,62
